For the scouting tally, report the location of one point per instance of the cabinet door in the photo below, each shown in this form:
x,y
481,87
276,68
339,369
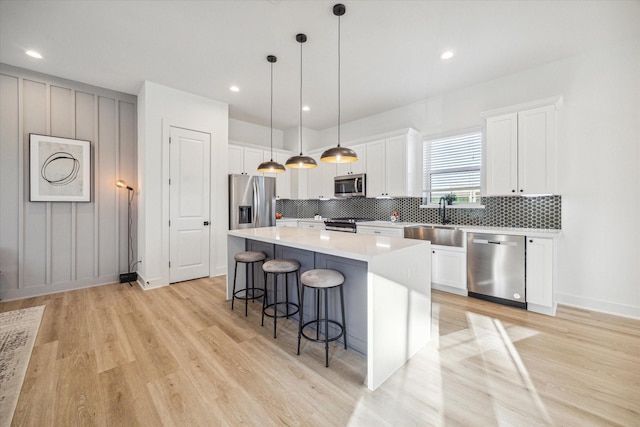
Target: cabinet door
x,y
283,179
537,151
539,271
314,179
396,167
252,159
501,150
449,268
328,173
236,159
375,169
359,166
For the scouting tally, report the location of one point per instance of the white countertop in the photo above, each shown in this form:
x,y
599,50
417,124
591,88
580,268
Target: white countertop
x,y
362,247
531,232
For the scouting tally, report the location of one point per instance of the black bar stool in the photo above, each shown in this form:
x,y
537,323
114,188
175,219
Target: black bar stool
x,y
248,258
277,267
322,279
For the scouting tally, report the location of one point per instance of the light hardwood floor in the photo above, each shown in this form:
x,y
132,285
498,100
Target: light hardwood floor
x,y
118,356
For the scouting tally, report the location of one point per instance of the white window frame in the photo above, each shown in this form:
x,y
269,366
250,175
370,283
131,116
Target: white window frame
x,y
476,190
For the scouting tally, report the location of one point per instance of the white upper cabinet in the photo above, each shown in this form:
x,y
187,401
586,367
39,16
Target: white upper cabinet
x,y
359,166
393,167
283,179
244,160
520,152
320,180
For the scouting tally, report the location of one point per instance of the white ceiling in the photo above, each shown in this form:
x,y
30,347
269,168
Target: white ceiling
x,y
390,49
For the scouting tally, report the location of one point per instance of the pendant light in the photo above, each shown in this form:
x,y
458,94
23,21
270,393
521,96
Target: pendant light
x,y
301,161
271,166
339,154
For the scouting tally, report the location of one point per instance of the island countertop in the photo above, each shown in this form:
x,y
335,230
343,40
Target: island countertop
x,y
360,247
387,286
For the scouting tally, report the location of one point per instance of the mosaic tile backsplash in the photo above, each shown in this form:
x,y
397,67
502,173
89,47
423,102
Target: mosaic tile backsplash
x,y
543,212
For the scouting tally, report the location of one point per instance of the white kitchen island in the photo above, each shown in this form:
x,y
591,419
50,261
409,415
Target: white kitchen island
x,y
387,286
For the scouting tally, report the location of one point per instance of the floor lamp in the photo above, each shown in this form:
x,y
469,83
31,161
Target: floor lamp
x,y
129,276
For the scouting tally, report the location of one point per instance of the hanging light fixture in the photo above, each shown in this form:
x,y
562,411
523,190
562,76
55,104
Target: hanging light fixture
x,y
301,161
339,154
271,166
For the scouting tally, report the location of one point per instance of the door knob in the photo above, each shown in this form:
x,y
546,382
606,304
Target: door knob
x,y
206,223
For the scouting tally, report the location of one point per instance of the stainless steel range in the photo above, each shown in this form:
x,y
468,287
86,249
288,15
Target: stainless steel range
x,y
347,225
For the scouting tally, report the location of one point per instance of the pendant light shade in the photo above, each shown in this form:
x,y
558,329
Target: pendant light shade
x,y
301,161
339,154
271,166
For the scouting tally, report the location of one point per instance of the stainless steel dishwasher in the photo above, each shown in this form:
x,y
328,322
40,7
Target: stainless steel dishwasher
x,y
495,268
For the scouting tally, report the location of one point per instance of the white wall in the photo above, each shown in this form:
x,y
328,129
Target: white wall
x,y
158,108
598,162
250,133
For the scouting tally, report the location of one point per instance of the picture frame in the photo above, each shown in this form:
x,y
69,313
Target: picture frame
x,y
59,169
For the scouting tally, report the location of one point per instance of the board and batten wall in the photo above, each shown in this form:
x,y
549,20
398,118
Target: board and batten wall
x,y
48,247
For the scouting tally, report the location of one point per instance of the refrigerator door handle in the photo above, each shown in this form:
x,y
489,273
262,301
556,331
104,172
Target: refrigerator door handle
x,y
256,209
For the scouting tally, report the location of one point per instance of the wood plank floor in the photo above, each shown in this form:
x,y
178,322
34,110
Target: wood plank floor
x,y
178,356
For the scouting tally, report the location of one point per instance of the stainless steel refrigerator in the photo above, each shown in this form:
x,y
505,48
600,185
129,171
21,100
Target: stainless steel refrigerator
x,y
252,201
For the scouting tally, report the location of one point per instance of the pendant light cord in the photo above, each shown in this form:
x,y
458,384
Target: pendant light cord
x,y
339,80
301,98
271,123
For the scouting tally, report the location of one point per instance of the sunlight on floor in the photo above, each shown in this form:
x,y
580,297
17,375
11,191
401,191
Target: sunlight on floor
x,y
431,390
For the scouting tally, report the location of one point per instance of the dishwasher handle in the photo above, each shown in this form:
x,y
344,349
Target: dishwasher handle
x,y
494,242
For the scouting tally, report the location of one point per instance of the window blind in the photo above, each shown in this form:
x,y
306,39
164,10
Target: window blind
x,y
452,164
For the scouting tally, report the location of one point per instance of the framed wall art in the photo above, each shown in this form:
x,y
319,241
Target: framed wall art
x,y
59,169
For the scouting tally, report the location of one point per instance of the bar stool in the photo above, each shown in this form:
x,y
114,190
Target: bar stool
x,y
277,267
322,279
248,258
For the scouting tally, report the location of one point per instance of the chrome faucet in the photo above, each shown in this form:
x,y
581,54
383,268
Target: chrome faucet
x,y
442,210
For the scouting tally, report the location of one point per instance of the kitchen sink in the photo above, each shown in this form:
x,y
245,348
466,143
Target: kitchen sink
x,y
436,234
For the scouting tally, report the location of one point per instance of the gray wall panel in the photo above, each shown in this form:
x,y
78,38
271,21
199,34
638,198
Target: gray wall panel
x,y
128,161
36,232
105,186
60,247
9,180
85,240
50,247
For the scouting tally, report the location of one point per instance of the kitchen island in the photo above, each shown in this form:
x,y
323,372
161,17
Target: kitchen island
x,y
387,286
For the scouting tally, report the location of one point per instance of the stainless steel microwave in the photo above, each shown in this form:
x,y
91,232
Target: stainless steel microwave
x,y
354,185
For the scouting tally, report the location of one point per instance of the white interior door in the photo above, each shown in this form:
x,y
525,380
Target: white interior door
x,y
189,193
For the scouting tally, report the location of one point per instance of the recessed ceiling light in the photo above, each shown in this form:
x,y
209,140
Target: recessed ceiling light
x,y
446,55
234,89
306,108
34,54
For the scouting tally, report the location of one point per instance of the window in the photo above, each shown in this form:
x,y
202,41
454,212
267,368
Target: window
x,y
452,165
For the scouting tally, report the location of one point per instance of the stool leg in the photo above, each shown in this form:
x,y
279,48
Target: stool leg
x,y
301,302
233,293
317,313
326,329
344,320
275,304
264,300
286,291
246,289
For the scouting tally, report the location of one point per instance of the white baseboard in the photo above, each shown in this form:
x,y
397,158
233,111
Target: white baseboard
x,y
549,311
450,289
54,288
616,309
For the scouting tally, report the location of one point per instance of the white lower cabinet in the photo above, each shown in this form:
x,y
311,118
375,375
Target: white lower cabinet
x,y
293,223
449,269
539,274
318,225
381,231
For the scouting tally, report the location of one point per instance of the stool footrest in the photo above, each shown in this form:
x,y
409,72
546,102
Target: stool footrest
x,y
260,293
276,314
318,322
